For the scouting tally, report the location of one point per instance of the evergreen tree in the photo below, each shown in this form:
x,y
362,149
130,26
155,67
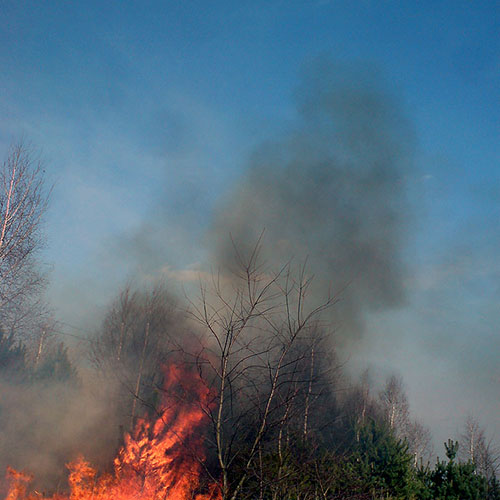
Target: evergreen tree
x,y
56,366
383,463
12,358
454,480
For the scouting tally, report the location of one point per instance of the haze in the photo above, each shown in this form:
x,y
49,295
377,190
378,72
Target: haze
x,y
153,119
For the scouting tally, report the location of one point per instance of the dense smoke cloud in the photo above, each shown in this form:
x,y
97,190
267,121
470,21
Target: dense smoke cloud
x,y
332,190
45,424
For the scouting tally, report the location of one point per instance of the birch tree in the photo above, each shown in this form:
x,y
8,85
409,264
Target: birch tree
x,y
23,203
133,342
395,405
478,449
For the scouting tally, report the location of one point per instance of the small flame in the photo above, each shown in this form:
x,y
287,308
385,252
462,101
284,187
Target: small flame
x,y
160,460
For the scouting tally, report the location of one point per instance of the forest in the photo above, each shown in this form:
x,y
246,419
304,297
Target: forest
x,y
234,391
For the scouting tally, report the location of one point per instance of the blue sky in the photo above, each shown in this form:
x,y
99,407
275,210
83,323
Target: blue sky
x,y
147,108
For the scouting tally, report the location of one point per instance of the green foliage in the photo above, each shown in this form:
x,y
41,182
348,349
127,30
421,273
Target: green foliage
x,y
12,358
382,462
56,366
378,466
453,480
303,472
451,449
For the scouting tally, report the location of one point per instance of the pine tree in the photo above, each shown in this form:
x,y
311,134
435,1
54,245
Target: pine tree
x,y
455,481
12,357
383,462
56,366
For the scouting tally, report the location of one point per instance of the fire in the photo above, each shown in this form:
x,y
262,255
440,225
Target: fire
x,y
160,460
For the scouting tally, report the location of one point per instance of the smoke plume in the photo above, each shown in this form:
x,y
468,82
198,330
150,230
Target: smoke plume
x,y
332,191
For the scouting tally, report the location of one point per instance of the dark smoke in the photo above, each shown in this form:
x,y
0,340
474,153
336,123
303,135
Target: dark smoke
x,y
332,190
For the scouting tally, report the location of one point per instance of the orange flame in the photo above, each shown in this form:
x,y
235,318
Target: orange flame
x,y
159,461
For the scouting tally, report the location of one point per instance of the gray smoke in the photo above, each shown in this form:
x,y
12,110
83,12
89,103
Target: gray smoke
x,y
46,424
332,190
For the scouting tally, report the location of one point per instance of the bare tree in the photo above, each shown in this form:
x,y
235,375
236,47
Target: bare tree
x,y
255,350
132,343
396,411
23,202
419,440
471,440
361,402
476,447
395,405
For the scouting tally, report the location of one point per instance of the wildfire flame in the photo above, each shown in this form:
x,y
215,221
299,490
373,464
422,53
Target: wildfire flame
x,y
160,460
